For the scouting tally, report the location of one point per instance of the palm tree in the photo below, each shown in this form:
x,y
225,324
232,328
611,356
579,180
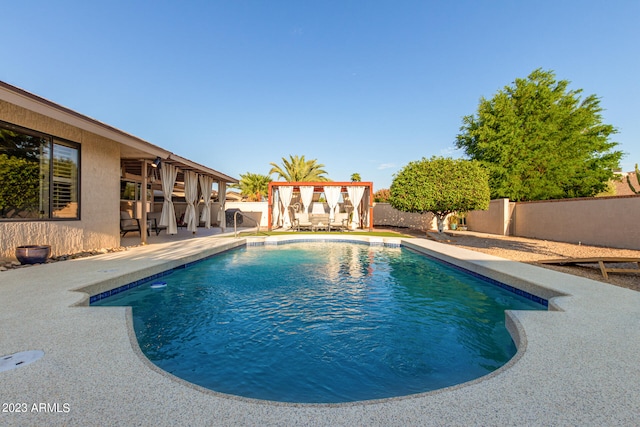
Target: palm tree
x,y
297,169
253,185
355,177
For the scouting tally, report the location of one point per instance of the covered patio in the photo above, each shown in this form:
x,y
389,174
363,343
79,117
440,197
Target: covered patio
x,y
352,199
180,194
81,176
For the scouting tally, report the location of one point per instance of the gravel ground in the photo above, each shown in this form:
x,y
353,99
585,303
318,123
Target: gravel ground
x,y
531,250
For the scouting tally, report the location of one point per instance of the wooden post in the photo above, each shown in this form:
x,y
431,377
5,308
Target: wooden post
x,y
143,198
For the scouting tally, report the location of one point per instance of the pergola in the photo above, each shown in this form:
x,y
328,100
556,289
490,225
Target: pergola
x,y
355,196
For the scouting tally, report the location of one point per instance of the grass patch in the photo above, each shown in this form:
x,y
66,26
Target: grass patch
x,y
333,233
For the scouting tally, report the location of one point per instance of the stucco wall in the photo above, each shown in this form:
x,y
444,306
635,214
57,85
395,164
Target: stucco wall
x,y
495,220
99,193
259,211
384,214
600,221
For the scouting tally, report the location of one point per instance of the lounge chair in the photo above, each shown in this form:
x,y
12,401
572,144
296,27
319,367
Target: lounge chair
x,y
340,222
303,221
299,221
128,224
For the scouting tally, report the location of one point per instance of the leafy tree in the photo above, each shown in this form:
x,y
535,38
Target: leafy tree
x,y
355,177
381,196
297,169
253,185
440,186
540,141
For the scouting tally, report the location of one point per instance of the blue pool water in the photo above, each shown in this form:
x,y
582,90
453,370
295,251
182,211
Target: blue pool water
x,y
323,322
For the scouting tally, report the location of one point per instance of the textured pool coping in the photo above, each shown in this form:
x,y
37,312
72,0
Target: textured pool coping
x,y
577,363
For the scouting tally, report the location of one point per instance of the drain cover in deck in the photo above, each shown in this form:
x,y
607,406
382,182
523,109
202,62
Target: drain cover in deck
x,y
16,360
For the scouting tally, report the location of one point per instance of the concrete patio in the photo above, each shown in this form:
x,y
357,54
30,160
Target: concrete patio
x,y
577,364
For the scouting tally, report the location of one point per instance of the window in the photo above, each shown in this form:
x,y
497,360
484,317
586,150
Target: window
x,y
39,175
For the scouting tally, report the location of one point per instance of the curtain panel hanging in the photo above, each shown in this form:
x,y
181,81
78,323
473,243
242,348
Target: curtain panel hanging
x,y
286,193
333,196
306,195
168,173
206,186
275,210
191,196
355,195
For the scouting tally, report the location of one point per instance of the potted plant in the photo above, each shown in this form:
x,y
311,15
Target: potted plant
x,y
453,221
33,254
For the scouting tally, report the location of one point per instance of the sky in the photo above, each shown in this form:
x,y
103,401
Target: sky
x,y
360,86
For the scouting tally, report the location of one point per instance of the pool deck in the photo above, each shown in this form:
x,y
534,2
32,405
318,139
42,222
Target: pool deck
x,y
578,364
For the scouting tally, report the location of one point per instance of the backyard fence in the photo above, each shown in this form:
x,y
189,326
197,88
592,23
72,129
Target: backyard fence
x,y
599,221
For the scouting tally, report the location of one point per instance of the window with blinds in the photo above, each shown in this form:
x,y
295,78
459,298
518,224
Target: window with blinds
x,y
64,195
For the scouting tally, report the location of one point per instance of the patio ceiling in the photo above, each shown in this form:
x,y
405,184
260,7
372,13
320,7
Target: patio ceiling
x,y
133,166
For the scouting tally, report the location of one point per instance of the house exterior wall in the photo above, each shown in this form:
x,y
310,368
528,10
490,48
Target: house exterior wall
x,y
98,226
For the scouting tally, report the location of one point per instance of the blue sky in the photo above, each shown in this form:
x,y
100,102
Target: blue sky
x,y
360,86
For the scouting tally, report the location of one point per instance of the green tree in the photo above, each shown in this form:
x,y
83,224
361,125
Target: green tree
x,y
540,141
297,169
381,196
253,185
355,177
440,186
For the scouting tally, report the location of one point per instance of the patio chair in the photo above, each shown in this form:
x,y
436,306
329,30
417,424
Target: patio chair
x,y
128,224
340,222
294,221
153,221
180,222
303,221
299,221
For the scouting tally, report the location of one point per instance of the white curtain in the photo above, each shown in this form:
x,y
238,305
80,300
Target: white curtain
x,y
168,174
355,195
191,195
286,193
222,198
275,210
332,193
306,195
206,185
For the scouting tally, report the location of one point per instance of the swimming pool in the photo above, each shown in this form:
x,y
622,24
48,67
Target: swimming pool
x,y
323,322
